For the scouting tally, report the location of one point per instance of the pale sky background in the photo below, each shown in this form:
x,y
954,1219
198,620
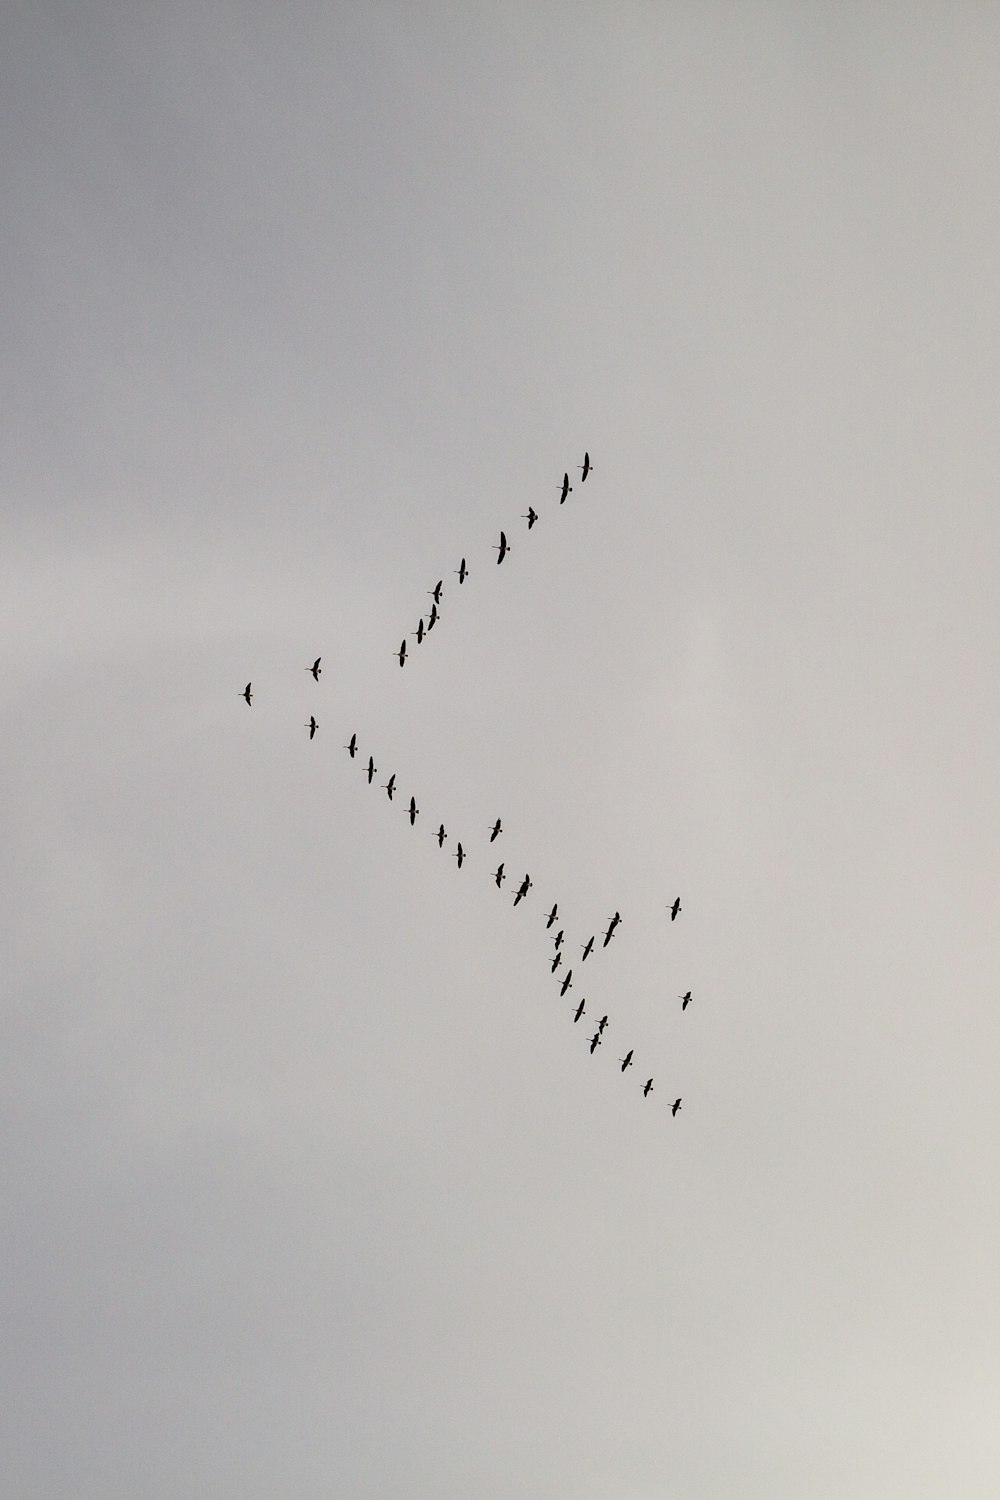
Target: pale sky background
x,y
310,1185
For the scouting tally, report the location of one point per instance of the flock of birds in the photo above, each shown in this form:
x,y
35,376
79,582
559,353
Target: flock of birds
x,y
461,854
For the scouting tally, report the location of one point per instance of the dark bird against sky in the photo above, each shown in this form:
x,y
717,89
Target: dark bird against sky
x,y
315,669
246,693
462,572
312,727
352,746
588,948
586,467
567,489
501,548
414,809
531,517
372,770
441,836
496,830
673,910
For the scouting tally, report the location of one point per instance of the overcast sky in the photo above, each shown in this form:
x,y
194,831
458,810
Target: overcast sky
x,y
311,1186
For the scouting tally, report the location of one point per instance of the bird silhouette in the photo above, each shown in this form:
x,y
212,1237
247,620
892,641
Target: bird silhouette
x,y
372,770
441,836
588,948
414,809
602,1023
315,669
419,633
390,785
611,928
686,998
312,727
435,592
673,910
460,855
647,1087
433,617
567,984
559,937
626,1061
246,693
352,748
462,572
401,653
523,889
531,517
595,1042
586,467
675,1106
498,877
501,549
552,915
496,830
567,489
556,961
579,1011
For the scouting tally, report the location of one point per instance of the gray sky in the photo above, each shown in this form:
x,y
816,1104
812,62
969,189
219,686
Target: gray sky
x,y
310,1185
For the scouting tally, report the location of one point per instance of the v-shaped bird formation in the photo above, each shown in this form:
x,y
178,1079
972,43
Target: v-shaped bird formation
x,y
465,851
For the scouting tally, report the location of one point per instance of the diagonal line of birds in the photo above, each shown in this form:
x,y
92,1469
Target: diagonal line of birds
x,y
598,940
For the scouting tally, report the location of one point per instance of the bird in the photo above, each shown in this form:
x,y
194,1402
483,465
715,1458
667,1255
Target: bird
x,y
579,1011
558,938
462,572
435,592
352,748
372,770
498,877
496,830
588,948
556,961
390,785
611,928
441,836
675,1106
595,1042
414,809
687,997
246,693
433,617
523,889
531,517
459,855
566,984
585,466
673,910
501,549
602,1023
627,1059
567,489
647,1087
401,653
312,726
419,633
552,915
315,669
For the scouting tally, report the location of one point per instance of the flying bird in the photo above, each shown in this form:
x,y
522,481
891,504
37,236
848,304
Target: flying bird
x,y
419,633
588,948
498,877
459,855
611,928
435,592
585,466
531,517
687,997
414,809
433,617
567,489
401,653
441,836
372,770
462,572
496,830
566,984
626,1061
552,915
315,669
647,1087
390,785
558,938
312,727
246,693
502,549
352,748
595,1042
675,1106
556,961
602,1023
579,1011
523,889
673,910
